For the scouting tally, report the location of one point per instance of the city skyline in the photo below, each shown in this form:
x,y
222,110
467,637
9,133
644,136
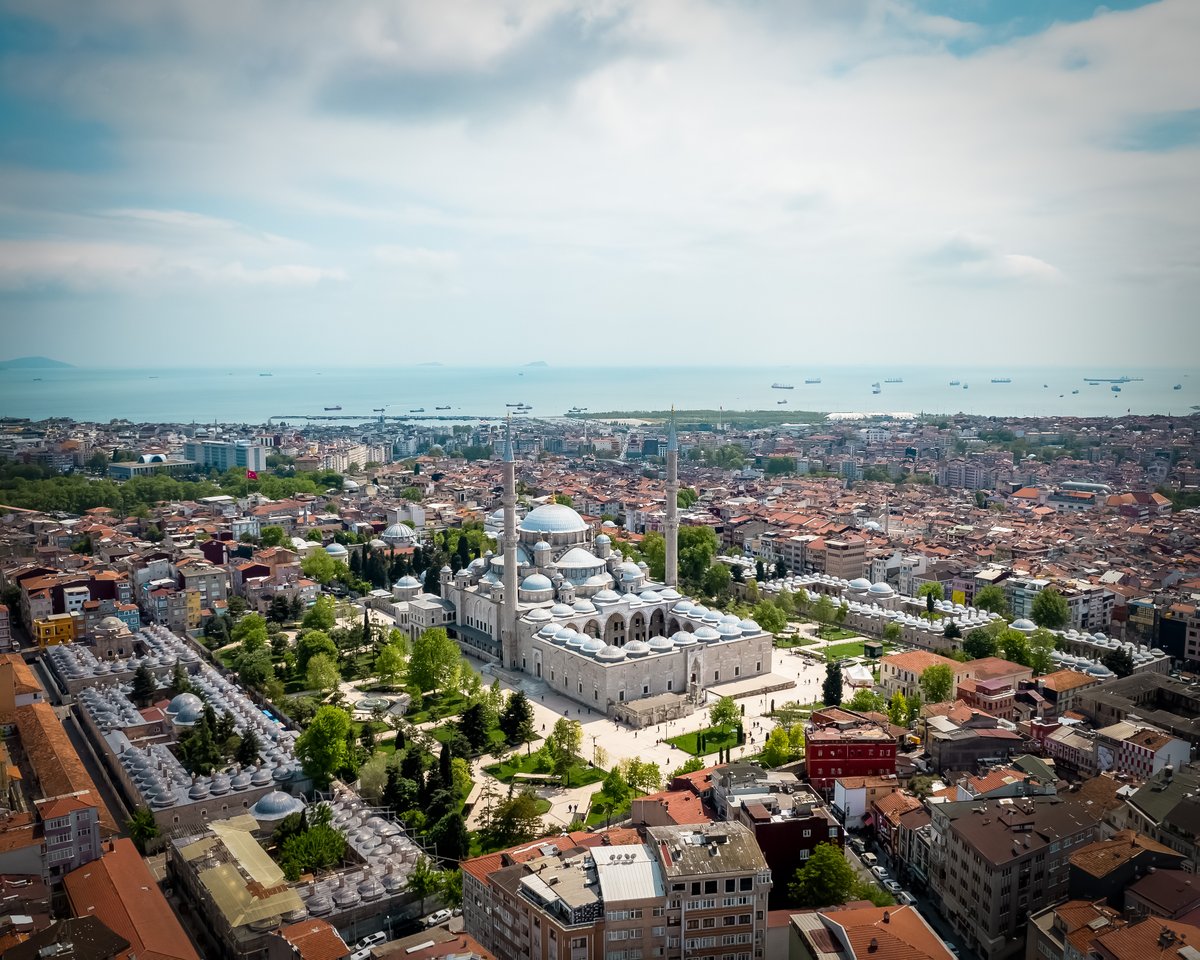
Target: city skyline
x,y
928,176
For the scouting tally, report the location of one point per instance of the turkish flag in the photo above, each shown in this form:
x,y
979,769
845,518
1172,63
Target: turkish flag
x,y
251,475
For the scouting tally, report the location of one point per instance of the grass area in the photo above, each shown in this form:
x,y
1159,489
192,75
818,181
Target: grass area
x,y
842,651
836,633
446,732
715,739
784,643
437,707
579,774
542,806
597,818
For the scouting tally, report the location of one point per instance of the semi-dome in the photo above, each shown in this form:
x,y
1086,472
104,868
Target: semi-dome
x,y
185,708
536,581
553,518
577,558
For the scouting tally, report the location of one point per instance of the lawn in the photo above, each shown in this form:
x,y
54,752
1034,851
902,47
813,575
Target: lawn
x,y
437,707
715,739
579,775
783,643
447,731
596,817
836,633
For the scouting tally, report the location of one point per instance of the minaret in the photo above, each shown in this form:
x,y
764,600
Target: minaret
x,y
672,559
508,625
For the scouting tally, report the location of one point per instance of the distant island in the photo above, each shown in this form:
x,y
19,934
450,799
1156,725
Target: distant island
x,y
33,363
538,363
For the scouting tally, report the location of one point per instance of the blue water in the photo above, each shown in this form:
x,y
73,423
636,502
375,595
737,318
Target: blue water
x,y
243,396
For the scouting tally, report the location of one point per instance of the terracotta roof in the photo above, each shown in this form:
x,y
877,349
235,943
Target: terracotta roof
x,y
1102,857
918,661
61,806
903,935
315,940
24,680
1063,680
120,890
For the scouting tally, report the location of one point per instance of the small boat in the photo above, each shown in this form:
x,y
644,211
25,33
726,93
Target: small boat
x,y
1115,388
955,383
447,407
1073,392
965,385
813,380
1060,396
266,374
337,407
514,404
37,379
894,380
782,386
781,401
379,409
875,388
1001,380
417,410
1178,386
1045,386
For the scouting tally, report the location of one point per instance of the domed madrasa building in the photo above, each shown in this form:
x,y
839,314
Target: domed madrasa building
x,y
558,603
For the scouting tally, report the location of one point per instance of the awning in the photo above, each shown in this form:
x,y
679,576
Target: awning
x,y
868,819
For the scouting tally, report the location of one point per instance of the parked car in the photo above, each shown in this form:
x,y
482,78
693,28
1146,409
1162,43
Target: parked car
x,y
869,859
370,941
906,898
441,916
857,845
892,887
364,954
881,873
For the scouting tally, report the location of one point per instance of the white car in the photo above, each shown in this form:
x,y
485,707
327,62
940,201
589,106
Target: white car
x,y
435,918
880,872
891,886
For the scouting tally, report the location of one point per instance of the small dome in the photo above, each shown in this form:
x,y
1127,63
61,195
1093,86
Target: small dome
x,y
185,708
592,646
649,596
399,533
749,626
1025,626
606,596
669,594
611,654
683,606
707,635
560,610
335,549
603,539
683,639
536,581
637,648
407,582
583,605
112,623
729,631
378,544
859,584
881,589
661,645
538,614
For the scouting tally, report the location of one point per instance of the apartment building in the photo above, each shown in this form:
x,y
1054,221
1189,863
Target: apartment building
x,y
6,638
239,455
56,628
698,891
844,744
995,863
1138,750
859,932
901,672
845,557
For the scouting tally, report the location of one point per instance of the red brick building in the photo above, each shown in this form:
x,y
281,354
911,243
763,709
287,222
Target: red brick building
x,y
844,744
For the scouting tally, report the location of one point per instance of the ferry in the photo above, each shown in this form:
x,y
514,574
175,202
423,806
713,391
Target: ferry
x,y
876,388
781,401
514,404
1115,389
782,386
955,383
338,407
813,380
1001,379
447,407
894,380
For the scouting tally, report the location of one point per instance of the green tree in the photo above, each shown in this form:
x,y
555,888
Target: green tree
x,y
450,887
717,579
565,742
691,765
250,632
898,710
434,662
892,632
826,879
273,537
254,667
144,686
322,748
1050,609
143,828
514,820
1041,646
322,673
778,749
1119,661
866,701
1014,646
389,664
247,749
724,713
449,837
822,610
992,599
831,687
309,644
770,617
937,683
517,719
979,643
475,726
320,615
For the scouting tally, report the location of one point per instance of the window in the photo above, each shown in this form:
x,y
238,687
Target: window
x,y
746,883
695,889
730,885
808,833
710,886
708,923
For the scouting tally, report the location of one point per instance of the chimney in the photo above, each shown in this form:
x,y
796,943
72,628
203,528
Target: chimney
x,y
887,917
873,945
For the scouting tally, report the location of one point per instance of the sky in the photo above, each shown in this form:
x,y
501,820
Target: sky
x,y
647,182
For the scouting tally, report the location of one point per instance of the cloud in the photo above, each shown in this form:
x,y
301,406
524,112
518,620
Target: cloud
x,y
972,259
1161,132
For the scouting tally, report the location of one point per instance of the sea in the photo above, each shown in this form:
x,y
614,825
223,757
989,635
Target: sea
x,y
216,395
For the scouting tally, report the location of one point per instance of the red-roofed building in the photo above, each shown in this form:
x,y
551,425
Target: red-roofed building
x,y
858,932
854,747
311,939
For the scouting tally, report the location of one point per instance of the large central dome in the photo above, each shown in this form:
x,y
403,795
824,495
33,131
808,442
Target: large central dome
x,y
552,518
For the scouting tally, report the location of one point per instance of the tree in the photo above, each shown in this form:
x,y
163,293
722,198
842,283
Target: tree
x,y
717,579
979,643
778,749
691,765
247,750
937,683
892,632
422,881
320,615
1050,609
831,688
389,665
992,599
768,616
866,701
280,609
724,713
179,680
250,632
825,879
898,710
1119,661
143,828
760,571
931,589
822,610
309,644
373,777
449,836
474,726
1041,645
322,748
1014,646
254,667
450,887
434,662
565,742
514,820
840,614
517,719
322,673
144,686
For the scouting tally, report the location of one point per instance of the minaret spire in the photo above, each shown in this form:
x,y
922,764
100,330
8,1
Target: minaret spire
x,y
508,625
671,576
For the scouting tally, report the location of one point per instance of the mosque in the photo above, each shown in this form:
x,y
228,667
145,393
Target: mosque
x,y
564,607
